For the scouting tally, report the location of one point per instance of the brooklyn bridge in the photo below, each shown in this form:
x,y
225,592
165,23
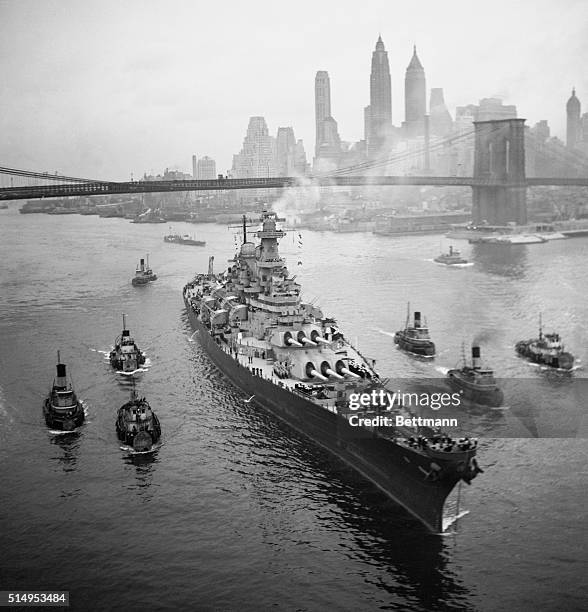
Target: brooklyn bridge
x,y
499,182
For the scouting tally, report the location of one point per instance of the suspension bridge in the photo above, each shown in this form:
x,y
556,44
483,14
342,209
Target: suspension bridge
x,y
499,180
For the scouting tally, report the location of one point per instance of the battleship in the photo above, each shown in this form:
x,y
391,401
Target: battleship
x,y
137,426
143,274
62,409
476,382
546,350
415,338
126,356
295,363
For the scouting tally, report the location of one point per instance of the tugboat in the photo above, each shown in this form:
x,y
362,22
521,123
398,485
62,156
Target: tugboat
x,y
185,239
415,338
143,274
475,382
451,258
62,409
137,425
297,364
126,356
547,350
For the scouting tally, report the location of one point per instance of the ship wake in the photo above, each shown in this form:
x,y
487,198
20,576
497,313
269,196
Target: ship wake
x,y
450,520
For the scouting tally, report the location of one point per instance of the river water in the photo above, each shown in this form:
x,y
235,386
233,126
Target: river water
x,y
236,511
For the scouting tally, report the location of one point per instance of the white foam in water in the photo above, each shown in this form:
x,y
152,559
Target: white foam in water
x,y
442,370
386,333
132,451
191,338
449,520
133,372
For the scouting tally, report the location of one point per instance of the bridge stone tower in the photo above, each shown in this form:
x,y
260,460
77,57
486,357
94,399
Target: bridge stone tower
x,y
499,160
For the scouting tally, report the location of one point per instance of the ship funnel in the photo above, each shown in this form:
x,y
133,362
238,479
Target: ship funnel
x,y
61,380
476,361
417,319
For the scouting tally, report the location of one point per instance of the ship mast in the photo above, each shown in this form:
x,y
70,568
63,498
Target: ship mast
x,y
540,328
407,316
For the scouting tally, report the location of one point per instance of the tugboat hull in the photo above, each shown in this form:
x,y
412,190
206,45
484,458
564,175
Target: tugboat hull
x,y
61,420
424,349
492,397
401,474
562,361
139,440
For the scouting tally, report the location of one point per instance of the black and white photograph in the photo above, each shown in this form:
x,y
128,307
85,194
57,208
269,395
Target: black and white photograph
x,y
293,305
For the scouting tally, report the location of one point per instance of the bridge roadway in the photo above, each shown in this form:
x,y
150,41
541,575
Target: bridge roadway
x,y
110,188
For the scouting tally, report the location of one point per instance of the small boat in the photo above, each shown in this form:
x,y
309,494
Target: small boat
x,y
126,356
137,425
415,338
62,409
547,350
143,274
476,382
185,239
451,258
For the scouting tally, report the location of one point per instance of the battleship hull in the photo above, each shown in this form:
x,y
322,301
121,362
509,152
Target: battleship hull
x,y
400,473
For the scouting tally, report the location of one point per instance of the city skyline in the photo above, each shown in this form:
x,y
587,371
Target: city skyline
x,y
105,90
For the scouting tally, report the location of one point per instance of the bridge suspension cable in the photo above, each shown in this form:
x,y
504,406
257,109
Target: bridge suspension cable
x,y
47,176
401,156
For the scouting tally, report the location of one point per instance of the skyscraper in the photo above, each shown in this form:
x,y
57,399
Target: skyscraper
x,y
441,121
257,157
206,168
574,127
322,105
415,98
380,108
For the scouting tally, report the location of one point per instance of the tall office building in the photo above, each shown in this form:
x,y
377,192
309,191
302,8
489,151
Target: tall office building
x,y
379,116
257,157
441,122
322,105
205,168
194,167
574,126
415,98
328,144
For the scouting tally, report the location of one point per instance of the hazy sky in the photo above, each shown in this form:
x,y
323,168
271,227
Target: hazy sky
x,y
104,88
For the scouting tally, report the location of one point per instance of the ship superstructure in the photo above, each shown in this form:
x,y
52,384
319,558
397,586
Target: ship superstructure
x,y
297,364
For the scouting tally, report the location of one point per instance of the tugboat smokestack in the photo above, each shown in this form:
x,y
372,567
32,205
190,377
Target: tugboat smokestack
x,y
476,357
417,319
